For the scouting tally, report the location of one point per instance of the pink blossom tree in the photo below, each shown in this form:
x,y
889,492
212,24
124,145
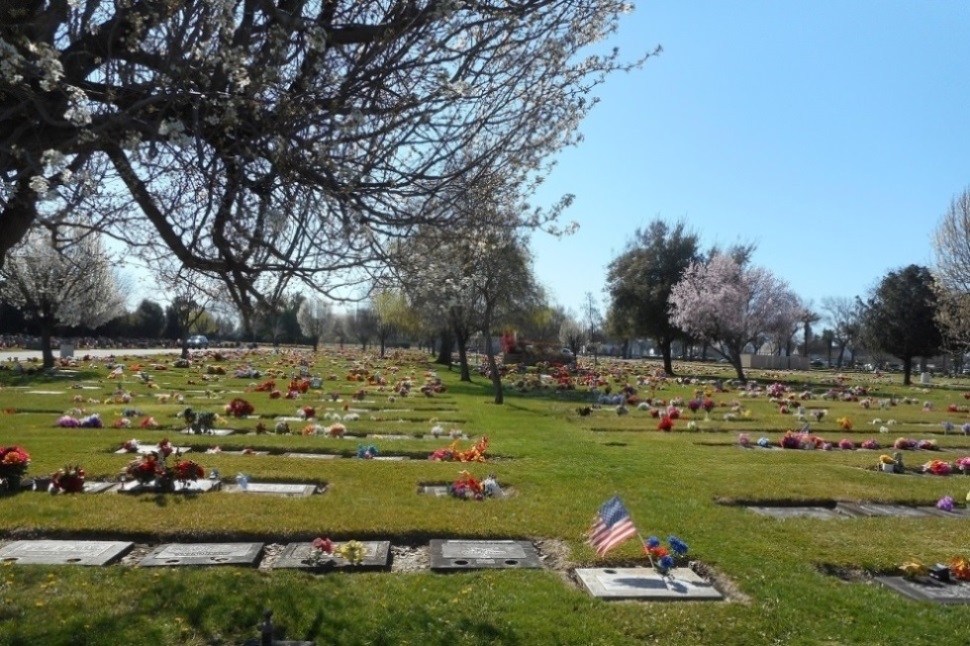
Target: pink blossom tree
x,y
731,305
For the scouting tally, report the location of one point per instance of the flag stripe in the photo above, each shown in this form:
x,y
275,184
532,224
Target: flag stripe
x,y
611,526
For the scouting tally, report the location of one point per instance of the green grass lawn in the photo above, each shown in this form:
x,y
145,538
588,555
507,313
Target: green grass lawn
x,y
798,581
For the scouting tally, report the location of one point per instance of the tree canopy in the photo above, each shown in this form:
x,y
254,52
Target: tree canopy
x,y
640,281
732,305
291,137
899,317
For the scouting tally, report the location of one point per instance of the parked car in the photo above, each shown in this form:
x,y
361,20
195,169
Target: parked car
x,y
198,341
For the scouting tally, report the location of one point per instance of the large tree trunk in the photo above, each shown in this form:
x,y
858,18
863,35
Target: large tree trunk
x,y
46,332
461,338
493,368
444,349
907,370
463,362
665,352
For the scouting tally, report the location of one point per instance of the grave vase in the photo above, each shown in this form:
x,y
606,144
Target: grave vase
x,y
165,484
888,468
10,484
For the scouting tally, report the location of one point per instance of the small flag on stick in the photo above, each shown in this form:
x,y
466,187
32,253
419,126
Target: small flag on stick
x,y
611,526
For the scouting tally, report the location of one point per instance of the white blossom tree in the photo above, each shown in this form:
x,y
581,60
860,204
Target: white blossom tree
x,y
70,286
315,317
296,137
730,305
475,276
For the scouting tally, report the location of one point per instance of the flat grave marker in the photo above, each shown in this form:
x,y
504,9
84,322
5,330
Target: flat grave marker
x,y
470,554
49,552
872,509
312,456
927,589
189,487
819,513
145,449
219,432
647,584
98,487
203,554
296,555
439,491
274,488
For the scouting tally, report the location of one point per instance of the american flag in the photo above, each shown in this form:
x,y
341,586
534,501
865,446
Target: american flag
x,y
611,527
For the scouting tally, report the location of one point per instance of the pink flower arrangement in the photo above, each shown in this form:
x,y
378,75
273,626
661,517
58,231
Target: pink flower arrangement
x,y
963,464
846,444
870,444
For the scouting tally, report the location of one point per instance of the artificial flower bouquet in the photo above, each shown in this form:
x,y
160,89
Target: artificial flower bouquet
x,y
14,461
664,558
69,479
467,487
323,550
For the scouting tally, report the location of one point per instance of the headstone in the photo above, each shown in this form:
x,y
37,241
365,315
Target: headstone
x,y
472,554
296,555
647,584
927,589
869,509
312,456
820,513
67,350
390,458
64,552
925,378
381,436
275,488
204,554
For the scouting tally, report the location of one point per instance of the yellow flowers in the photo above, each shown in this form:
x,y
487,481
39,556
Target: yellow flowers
x,y
844,423
887,459
353,552
913,568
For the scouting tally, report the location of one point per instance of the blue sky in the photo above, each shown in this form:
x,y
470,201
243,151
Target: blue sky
x,y
832,134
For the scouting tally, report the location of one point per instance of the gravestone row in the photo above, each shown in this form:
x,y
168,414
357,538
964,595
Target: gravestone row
x,y
844,510
446,556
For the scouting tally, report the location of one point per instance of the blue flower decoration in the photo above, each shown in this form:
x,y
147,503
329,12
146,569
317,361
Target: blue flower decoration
x,y
653,541
678,546
763,442
665,563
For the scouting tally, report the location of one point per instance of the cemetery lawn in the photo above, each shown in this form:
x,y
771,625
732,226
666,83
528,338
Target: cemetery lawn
x,y
791,581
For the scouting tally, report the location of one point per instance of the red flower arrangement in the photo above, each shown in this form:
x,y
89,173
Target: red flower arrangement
x,y
185,470
165,448
14,461
266,386
239,408
70,479
665,424
145,469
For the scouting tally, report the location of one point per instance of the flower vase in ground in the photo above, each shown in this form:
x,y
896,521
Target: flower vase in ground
x,y
70,479
14,461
